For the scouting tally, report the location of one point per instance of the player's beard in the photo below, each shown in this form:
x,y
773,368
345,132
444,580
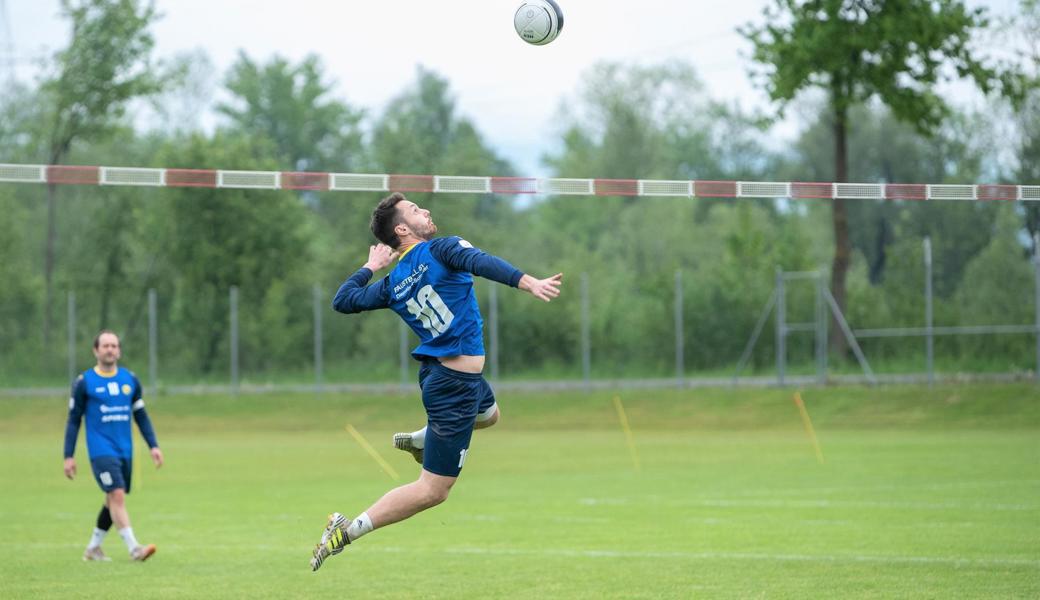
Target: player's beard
x,y
427,230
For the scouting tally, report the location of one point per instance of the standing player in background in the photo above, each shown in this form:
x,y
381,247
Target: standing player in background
x,y
431,288
107,395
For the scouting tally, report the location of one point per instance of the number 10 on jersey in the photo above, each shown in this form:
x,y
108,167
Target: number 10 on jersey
x,y
430,310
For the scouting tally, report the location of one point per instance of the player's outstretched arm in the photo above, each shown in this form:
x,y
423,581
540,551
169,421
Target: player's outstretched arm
x,y
543,289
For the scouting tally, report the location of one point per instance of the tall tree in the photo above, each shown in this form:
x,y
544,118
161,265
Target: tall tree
x,y
105,66
214,239
1028,119
422,132
882,148
290,104
856,50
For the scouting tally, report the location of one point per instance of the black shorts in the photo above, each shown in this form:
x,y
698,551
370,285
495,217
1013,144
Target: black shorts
x,y
452,400
112,472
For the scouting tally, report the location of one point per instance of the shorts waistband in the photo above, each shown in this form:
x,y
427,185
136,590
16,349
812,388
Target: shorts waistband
x,y
433,363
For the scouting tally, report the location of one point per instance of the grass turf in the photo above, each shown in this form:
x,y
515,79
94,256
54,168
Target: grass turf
x,y
928,493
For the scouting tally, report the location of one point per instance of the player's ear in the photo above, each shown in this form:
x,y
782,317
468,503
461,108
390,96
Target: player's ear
x,y
401,229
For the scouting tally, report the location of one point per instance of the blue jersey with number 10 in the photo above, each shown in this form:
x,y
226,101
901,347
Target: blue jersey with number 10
x,y
431,288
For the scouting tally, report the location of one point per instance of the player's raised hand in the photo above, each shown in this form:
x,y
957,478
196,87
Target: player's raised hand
x,y
70,467
543,289
380,256
157,457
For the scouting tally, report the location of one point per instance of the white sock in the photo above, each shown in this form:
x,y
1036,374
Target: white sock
x,y
96,539
361,525
419,438
128,536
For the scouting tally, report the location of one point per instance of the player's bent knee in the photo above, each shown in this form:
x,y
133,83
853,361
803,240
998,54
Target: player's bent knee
x,y
489,417
115,498
435,488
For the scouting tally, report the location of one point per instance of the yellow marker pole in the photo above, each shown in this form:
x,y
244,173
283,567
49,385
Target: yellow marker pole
x,y
808,426
372,452
628,431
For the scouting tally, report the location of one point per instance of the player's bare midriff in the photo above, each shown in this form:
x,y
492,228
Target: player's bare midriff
x,y
463,362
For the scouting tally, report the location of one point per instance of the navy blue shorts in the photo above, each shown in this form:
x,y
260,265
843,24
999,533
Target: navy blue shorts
x,y
112,472
452,400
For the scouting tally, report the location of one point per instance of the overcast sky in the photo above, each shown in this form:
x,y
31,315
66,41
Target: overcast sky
x,y
511,90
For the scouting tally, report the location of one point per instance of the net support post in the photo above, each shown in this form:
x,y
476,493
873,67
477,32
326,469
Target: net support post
x,y
928,314
233,301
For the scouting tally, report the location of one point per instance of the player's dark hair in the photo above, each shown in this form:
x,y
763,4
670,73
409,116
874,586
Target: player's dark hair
x,y
385,218
97,338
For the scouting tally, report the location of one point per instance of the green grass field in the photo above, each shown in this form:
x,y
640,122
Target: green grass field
x,y
931,493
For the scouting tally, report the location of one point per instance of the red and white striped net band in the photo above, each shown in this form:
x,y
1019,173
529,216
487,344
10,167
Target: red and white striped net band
x,y
365,182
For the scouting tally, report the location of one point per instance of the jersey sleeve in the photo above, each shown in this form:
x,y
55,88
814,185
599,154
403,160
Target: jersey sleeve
x,y
355,295
141,416
460,255
77,406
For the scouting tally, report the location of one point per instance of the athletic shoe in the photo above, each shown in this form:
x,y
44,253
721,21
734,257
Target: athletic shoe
x,y
142,553
95,553
403,441
333,540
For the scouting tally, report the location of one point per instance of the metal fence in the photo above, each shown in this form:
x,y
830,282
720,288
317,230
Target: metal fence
x,y
826,314
826,309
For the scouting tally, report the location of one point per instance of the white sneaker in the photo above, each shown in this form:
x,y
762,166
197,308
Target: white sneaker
x,y
403,441
95,553
142,553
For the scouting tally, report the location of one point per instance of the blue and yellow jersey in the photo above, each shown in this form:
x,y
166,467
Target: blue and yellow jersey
x,y
107,400
431,288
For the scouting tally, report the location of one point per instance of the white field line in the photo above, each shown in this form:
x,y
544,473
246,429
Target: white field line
x,y
946,485
731,503
952,561
756,556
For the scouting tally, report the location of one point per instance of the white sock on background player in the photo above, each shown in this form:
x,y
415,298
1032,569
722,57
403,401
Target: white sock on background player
x,y
128,537
96,538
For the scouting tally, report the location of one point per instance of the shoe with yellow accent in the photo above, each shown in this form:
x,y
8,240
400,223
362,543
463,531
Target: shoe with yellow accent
x,y
95,553
333,540
403,441
142,553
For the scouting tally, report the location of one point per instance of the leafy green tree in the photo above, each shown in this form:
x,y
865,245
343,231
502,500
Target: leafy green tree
x,y
291,106
883,148
1027,119
999,289
858,50
645,122
421,132
19,296
217,238
105,66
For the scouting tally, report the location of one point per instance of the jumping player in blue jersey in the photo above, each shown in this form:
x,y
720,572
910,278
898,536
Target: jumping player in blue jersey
x,y
431,288
106,396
